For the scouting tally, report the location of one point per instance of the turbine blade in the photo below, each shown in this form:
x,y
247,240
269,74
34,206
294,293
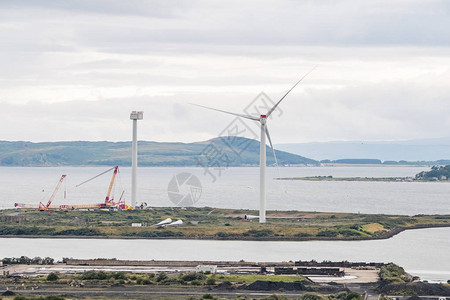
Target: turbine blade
x,y
271,146
276,105
227,112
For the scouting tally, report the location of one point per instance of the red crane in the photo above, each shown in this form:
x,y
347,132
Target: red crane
x,y
108,201
43,207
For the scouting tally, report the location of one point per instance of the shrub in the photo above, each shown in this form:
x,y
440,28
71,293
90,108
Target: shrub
x,y
119,275
259,233
341,295
227,282
328,233
161,276
392,272
196,282
80,232
353,296
193,276
211,281
349,232
52,297
52,277
312,296
90,275
302,234
169,281
223,234
275,297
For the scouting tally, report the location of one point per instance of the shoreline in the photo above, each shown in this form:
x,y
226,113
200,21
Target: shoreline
x,y
384,236
362,179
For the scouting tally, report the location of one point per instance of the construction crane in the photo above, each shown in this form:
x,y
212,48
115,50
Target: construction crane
x,y
109,202
45,207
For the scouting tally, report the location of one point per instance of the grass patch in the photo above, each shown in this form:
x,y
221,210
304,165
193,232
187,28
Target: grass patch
x,y
393,273
373,227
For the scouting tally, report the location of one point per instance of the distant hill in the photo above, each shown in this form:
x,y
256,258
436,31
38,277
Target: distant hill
x,y
218,152
413,150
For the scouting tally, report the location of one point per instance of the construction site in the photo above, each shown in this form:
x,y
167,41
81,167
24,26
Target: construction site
x,y
110,202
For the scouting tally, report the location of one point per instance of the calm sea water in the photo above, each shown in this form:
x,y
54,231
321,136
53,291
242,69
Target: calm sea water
x,y
422,252
238,188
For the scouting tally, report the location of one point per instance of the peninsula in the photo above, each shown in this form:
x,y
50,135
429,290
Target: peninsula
x,y
211,223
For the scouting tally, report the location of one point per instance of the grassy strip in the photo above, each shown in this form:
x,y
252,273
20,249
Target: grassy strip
x,y
208,223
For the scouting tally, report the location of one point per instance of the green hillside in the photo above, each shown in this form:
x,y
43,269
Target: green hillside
x,y
218,152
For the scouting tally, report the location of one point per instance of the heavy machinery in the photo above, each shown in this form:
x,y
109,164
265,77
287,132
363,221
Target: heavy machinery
x,y
109,203
109,200
43,207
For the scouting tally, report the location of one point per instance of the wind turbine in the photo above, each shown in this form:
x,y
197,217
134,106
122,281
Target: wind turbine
x,y
262,150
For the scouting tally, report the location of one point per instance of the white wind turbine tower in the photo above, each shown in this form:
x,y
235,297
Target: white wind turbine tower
x,y
262,150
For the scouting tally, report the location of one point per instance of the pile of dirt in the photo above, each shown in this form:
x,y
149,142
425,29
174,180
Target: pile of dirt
x,y
8,293
414,288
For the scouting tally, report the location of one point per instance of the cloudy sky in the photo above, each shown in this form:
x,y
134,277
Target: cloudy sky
x,y
73,70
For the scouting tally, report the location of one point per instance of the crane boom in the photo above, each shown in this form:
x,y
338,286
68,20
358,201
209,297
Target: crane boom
x,y
45,207
96,176
107,200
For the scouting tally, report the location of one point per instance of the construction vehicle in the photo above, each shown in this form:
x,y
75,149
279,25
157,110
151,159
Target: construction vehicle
x,y
45,207
109,200
42,206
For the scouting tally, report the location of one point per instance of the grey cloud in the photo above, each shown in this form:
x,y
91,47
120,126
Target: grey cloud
x,y
158,8
289,23
223,54
370,112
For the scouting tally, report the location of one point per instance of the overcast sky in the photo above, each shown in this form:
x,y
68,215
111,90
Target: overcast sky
x,y
73,70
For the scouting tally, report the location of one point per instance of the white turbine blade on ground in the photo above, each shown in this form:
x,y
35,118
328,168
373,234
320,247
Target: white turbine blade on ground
x,y
276,105
227,112
271,146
